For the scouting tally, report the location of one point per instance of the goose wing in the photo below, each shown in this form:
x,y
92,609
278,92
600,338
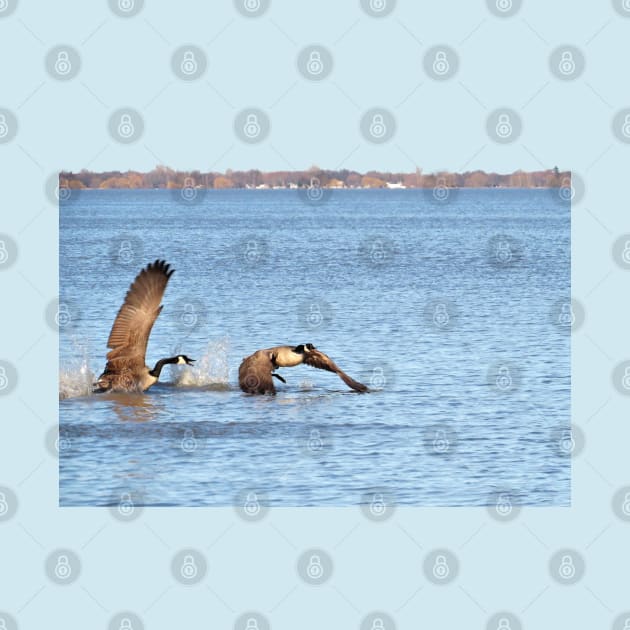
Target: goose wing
x,y
316,358
130,333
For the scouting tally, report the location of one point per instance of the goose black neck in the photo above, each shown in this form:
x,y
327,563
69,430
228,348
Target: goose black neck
x,y
160,364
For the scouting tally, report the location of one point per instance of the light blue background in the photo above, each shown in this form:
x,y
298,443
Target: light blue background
x,y
504,62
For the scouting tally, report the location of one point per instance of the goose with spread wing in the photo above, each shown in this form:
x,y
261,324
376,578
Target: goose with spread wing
x,y
126,370
257,371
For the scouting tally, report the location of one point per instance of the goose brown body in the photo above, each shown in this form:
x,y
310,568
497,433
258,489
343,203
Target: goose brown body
x,y
257,371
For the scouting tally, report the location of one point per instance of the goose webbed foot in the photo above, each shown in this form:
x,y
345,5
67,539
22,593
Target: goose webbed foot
x,y
278,377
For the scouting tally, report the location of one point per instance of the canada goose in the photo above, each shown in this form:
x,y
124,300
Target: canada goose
x,y
126,370
256,371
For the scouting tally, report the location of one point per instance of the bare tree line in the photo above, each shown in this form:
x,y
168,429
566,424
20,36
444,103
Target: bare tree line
x,y
164,177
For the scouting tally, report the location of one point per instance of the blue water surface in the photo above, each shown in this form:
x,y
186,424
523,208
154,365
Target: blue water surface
x,y
451,312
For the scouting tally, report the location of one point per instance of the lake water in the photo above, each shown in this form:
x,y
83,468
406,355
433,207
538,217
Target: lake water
x,y
453,313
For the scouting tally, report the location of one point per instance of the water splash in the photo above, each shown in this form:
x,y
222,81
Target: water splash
x,y
76,380
211,369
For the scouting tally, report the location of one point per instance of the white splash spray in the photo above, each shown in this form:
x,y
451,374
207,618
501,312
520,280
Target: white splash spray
x,y
210,369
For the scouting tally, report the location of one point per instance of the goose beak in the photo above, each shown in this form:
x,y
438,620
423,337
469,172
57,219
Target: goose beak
x,y
190,361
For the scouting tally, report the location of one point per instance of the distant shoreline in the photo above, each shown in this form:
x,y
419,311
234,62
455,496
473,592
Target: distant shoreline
x,y
163,177
251,189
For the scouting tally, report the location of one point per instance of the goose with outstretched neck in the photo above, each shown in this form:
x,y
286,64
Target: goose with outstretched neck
x,y
257,371
126,370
